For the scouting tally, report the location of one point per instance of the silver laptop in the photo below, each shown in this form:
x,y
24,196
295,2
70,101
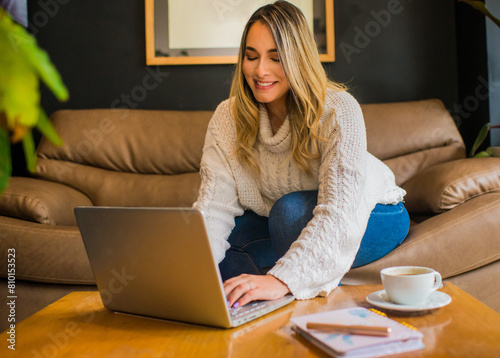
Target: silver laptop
x,y
157,262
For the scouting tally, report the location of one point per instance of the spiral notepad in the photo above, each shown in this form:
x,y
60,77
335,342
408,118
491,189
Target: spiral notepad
x,y
403,337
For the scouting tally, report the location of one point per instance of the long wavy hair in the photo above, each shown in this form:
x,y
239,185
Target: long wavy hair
x,y
298,54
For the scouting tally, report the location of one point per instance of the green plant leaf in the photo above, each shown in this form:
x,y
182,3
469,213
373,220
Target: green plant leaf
x,y
47,129
25,46
20,93
22,64
483,154
5,162
29,152
47,71
479,6
483,132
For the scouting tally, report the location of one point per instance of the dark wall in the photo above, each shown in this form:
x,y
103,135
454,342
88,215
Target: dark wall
x,y
493,45
412,57
386,50
99,48
471,111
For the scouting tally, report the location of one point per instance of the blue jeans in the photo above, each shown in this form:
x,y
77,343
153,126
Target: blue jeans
x,y
257,242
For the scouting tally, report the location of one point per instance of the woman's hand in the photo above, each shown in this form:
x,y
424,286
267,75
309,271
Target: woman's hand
x,y
245,288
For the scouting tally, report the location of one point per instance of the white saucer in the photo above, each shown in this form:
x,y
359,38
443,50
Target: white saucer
x,y
437,299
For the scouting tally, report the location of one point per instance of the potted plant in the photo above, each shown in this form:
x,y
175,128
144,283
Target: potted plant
x,y
490,151
22,65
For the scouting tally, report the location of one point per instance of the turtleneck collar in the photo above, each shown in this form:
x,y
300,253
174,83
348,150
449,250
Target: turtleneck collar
x,y
278,142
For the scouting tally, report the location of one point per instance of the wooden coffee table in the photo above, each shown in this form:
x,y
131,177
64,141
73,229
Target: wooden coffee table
x,y
79,326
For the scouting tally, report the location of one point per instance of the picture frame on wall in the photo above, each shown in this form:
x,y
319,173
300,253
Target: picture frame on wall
x,y
183,32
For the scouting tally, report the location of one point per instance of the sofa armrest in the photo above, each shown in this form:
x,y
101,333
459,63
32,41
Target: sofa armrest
x,y
444,186
41,201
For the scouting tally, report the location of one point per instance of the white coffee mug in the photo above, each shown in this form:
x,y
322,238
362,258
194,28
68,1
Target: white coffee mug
x,y
410,285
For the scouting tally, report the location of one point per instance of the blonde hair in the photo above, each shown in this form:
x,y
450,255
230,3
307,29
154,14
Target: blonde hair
x,y
307,79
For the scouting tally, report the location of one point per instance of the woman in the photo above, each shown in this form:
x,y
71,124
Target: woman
x,y
287,182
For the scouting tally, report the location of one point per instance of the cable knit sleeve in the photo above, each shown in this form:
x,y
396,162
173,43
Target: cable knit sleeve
x,y
326,248
218,197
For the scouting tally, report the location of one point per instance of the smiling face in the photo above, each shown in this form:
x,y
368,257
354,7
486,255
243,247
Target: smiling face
x,y
263,70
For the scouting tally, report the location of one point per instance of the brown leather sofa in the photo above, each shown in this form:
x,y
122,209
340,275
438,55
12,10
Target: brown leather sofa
x,y
151,158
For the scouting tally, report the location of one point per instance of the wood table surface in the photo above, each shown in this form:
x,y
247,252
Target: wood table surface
x,y
79,326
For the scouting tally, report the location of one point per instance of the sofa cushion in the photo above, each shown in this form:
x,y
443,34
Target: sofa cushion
x,y
41,201
454,242
45,253
444,186
112,188
130,141
411,136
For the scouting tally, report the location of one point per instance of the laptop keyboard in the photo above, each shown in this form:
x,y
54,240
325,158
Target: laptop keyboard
x,y
246,310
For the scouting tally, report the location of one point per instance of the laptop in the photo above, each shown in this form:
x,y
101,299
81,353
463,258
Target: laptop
x,y
157,262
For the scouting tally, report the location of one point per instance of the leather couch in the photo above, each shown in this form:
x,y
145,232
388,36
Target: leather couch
x,y
126,157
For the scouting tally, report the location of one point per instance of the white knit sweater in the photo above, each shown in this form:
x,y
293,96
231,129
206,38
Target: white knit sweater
x,y
350,182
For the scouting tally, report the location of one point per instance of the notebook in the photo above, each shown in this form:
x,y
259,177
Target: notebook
x,y
403,338
157,262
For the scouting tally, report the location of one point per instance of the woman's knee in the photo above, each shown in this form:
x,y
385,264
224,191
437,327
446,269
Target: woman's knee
x,y
289,215
295,204
387,228
393,220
